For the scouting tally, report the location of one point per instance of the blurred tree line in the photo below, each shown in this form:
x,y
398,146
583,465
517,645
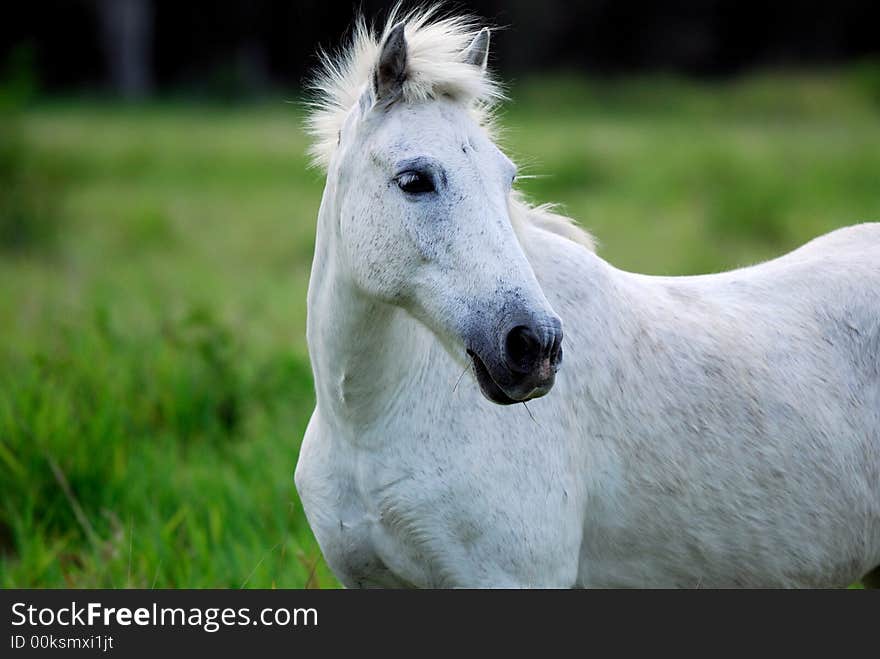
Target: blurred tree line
x,y
134,47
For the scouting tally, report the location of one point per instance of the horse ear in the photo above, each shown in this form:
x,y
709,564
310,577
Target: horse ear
x,y
391,68
478,52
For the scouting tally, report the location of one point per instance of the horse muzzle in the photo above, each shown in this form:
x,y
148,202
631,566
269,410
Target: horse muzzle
x,y
522,364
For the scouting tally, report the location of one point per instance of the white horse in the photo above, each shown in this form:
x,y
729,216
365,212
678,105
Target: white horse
x,y
710,431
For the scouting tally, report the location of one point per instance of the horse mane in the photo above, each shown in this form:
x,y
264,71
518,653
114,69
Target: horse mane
x,y
435,68
544,216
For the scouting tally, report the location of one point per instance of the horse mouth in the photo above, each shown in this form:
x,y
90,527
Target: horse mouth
x,y
493,391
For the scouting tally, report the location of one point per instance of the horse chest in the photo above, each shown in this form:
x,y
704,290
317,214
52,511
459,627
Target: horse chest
x,y
410,513
364,514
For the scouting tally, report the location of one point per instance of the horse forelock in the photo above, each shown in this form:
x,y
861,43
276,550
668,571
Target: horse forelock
x,y
436,67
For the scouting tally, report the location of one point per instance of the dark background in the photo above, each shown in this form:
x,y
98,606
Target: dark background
x,y
231,46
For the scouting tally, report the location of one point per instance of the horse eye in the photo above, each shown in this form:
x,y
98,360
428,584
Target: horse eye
x,y
415,182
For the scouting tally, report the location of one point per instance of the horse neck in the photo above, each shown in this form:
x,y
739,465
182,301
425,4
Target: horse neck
x,y
363,350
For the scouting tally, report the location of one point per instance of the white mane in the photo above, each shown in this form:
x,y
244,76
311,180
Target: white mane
x,y
435,68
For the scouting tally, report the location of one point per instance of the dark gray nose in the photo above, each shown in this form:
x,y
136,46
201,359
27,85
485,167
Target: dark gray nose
x,y
529,347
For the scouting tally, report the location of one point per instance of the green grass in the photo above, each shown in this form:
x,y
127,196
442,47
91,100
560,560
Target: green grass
x,y
154,380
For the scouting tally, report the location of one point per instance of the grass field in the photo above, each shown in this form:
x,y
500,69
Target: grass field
x,y
154,380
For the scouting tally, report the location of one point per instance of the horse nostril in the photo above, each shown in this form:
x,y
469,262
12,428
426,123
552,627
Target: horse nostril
x,y
523,349
556,350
